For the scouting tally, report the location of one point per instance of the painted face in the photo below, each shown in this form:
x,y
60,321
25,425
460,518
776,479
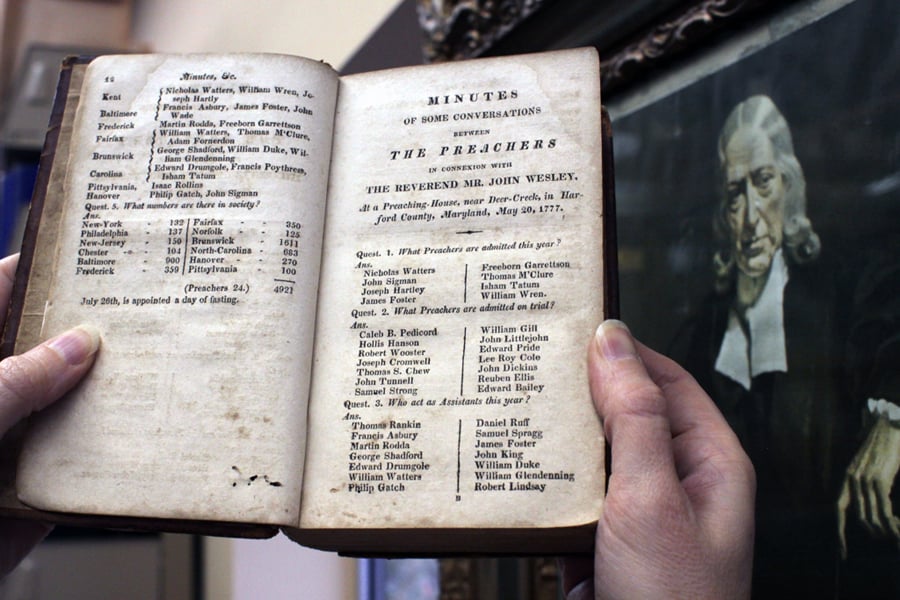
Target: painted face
x,y
754,206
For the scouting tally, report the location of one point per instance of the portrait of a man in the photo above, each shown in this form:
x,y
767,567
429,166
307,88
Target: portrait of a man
x,y
758,226
775,349
762,215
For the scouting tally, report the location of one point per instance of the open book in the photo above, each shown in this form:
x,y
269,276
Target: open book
x,y
353,308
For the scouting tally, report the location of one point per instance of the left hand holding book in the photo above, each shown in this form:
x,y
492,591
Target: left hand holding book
x,y
28,383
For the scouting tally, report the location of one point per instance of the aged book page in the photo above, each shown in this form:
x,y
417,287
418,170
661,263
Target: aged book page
x,y
462,281
191,238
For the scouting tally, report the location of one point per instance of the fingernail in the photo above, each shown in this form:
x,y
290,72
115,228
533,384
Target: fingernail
x,y
614,340
77,344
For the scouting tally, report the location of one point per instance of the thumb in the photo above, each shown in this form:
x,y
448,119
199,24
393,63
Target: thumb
x,y
633,408
31,381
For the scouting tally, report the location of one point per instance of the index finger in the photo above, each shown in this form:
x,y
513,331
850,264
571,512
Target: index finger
x,y
694,419
713,468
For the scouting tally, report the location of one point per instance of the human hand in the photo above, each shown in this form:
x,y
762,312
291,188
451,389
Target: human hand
x,y
29,382
678,516
868,482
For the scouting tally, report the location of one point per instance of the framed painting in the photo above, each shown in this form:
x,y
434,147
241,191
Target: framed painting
x,y
777,287
775,280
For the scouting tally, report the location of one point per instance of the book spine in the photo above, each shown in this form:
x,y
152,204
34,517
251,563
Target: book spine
x,y
42,180
610,248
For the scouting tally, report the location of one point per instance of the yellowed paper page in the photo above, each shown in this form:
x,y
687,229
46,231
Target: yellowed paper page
x,y
462,283
191,239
